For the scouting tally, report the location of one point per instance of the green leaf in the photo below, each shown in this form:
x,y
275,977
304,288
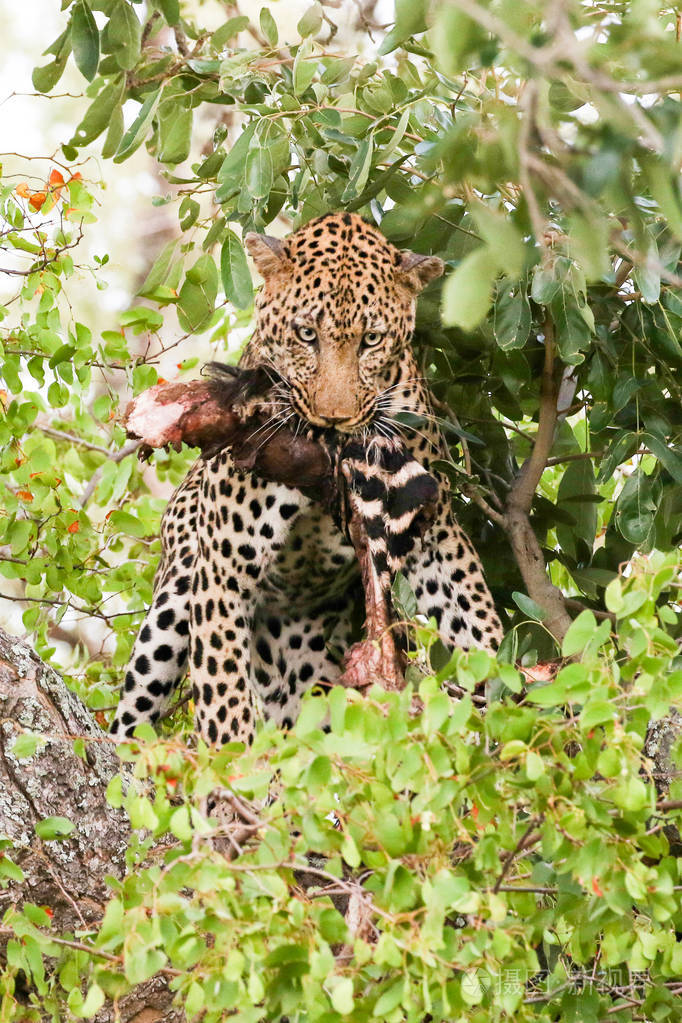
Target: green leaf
x,y
571,685
231,173
180,825
589,245
136,133
467,293
231,28
25,745
670,457
511,677
390,999
36,914
535,766
619,450
312,712
576,498
311,22
114,792
99,113
403,597
567,96
141,963
53,827
349,851
548,280
410,19
85,39
196,300
89,1006
234,272
189,213
453,36
19,535
597,712
512,318
574,324
170,10
304,67
454,892
528,606
359,170
124,522
10,870
159,270
45,78
648,273
259,171
471,989
175,131
342,996
337,69
114,134
665,190
124,35
268,27
304,73
636,508
504,240
579,634
140,810
63,353
631,795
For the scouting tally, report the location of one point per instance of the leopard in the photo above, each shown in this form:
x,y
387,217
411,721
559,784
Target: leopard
x,y
257,591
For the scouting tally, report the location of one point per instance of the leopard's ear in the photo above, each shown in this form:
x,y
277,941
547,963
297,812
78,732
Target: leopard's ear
x,y
267,253
417,270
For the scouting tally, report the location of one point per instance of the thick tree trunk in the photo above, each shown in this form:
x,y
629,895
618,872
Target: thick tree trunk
x,y
67,875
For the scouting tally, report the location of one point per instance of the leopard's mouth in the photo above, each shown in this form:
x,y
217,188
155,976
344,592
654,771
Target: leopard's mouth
x,y
346,425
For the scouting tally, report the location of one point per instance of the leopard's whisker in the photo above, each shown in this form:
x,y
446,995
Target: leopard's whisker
x,y
403,383
391,414
278,426
385,428
269,363
265,425
268,423
405,406
407,426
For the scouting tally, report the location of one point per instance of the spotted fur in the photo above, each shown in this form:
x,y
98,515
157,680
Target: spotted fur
x,y
258,586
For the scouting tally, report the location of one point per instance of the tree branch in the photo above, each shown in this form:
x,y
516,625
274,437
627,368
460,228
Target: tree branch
x,y
520,498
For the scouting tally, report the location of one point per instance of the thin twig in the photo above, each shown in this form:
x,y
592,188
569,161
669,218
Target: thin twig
x,y
528,838
117,456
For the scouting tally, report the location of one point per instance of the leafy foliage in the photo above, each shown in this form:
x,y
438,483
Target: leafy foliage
x,y
508,861
535,148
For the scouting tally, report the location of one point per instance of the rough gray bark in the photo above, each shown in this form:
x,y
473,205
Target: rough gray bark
x,y
661,738
67,875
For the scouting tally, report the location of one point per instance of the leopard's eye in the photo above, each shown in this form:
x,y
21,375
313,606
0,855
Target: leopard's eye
x,y
307,334
372,337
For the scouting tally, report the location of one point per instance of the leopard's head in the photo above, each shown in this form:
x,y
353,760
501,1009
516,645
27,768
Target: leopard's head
x,y
335,315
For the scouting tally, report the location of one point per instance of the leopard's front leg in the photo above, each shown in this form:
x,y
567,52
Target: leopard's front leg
x,y
159,658
242,523
446,576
